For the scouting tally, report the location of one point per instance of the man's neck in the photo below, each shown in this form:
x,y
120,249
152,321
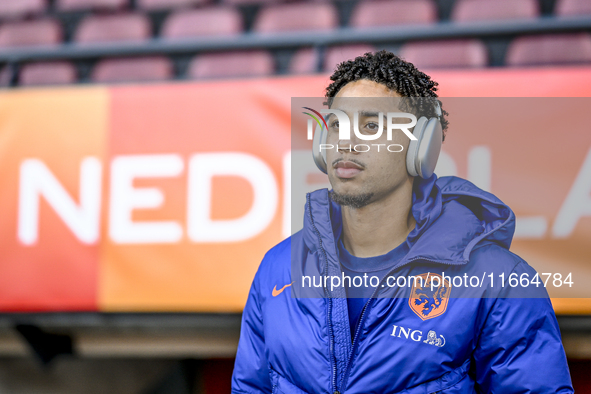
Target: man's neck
x,y
380,226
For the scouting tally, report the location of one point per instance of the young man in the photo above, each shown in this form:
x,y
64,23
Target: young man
x,y
380,219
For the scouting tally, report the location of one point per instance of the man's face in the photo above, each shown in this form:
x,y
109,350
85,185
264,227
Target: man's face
x,y
361,178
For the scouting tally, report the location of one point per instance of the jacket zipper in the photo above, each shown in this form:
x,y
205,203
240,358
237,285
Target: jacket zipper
x,y
327,294
362,318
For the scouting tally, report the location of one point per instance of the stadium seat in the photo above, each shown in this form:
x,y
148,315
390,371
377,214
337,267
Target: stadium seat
x,y
549,49
202,22
19,8
446,53
30,33
296,17
479,10
231,64
4,76
339,54
156,5
305,60
387,13
155,68
244,2
83,5
572,7
108,28
50,73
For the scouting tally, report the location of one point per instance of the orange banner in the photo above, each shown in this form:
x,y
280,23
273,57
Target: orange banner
x,y
49,231
166,197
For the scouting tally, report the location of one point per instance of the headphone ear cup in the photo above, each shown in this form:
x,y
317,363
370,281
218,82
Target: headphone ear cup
x,y
429,148
320,135
413,147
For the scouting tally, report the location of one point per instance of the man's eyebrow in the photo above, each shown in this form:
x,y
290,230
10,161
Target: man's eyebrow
x,y
366,114
370,114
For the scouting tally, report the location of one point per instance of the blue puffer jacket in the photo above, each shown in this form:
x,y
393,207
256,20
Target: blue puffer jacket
x,y
485,342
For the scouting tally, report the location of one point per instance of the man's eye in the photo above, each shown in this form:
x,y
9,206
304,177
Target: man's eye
x,y
335,124
372,127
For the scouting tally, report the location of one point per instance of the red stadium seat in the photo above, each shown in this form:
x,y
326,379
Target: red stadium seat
x,y
296,17
4,76
152,5
50,73
82,5
479,10
446,53
142,69
18,8
109,28
572,7
339,54
305,60
232,64
203,22
549,49
239,2
389,13
29,33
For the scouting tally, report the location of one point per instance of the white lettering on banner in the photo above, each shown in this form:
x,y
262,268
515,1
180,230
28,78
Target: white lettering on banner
x,y
125,198
202,168
36,180
532,227
298,165
446,166
83,217
479,170
286,228
577,203
479,167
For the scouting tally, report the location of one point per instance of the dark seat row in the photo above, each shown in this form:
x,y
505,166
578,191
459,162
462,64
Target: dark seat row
x,y
227,20
311,16
558,49
464,9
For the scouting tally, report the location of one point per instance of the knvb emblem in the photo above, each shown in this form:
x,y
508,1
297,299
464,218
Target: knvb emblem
x,y
429,296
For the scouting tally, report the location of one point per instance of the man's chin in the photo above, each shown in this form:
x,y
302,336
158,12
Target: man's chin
x,y
358,200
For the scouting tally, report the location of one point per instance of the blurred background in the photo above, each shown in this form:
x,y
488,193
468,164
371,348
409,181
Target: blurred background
x,y
116,271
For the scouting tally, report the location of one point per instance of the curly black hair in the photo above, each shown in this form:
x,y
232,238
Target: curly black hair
x,y
395,73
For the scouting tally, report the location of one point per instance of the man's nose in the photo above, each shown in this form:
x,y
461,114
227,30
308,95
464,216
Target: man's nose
x,y
341,147
348,145
344,146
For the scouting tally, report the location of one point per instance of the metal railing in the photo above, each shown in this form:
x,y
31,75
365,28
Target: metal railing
x,y
300,39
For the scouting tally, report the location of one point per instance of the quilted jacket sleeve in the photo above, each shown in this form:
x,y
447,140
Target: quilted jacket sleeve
x,y
251,371
520,348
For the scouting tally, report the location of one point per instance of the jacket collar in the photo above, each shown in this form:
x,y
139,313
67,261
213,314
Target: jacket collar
x,y
452,215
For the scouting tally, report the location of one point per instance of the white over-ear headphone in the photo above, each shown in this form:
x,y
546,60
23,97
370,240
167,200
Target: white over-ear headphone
x,y
422,154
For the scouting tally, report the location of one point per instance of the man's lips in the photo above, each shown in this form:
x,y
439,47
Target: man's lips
x,y
347,169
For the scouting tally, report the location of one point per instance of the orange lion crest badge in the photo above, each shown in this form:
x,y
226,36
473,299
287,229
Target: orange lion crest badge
x,y
429,295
